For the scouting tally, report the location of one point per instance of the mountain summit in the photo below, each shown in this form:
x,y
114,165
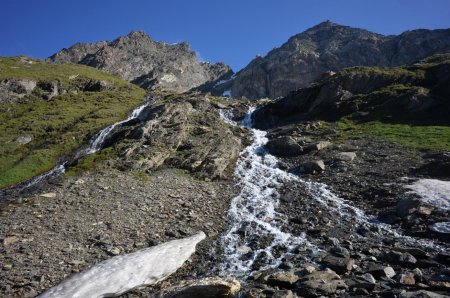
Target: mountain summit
x,y
145,62
330,47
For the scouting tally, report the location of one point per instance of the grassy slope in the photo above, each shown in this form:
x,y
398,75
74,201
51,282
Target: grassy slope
x,y
59,125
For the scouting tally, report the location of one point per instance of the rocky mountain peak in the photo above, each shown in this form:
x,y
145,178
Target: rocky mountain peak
x,y
329,47
150,64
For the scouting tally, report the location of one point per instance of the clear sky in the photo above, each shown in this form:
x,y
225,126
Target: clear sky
x,y
232,31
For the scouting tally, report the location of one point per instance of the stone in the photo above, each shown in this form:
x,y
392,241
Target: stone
x,y
48,195
209,287
312,167
340,265
24,140
422,294
282,279
8,240
284,147
319,283
346,156
318,146
406,278
368,277
283,294
379,271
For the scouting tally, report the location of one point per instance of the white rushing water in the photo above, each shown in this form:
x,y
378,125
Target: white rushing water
x,y
256,234
94,146
99,139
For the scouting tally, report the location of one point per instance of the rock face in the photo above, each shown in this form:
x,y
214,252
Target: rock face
x,y
409,94
330,47
145,62
184,132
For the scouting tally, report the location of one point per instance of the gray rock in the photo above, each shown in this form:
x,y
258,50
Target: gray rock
x,y
422,294
407,205
318,146
346,156
282,279
406,278
148,63
209,287
340,265
379,271
319,283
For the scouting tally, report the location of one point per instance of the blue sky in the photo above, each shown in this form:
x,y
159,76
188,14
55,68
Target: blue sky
x,y
232,31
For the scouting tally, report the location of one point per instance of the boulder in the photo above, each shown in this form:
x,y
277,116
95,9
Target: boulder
x,y
319,283
346,156
379,271
340,265
312,167
284,147
318,146
282,279
210,287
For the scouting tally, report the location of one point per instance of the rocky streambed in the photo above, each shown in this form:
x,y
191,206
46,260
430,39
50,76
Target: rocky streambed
x,y
304,220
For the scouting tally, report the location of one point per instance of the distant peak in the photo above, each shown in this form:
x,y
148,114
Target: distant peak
x,y
323,25
137,34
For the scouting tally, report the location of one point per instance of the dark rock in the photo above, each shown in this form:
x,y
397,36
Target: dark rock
x,y
319,283
312,167
284,147
340,265
407,205
379,271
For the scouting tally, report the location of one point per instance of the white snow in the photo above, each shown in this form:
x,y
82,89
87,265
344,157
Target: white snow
x,y
434,192
441,227
123,273
221,82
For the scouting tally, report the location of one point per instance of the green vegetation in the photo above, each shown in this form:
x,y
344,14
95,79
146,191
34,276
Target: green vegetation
x,y
90,161
430,138
56,126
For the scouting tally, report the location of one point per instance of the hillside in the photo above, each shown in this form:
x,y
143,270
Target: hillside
x,y
329,47
47,111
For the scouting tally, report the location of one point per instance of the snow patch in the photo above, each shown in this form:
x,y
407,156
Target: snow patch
x,y
441,227
123,273
434,192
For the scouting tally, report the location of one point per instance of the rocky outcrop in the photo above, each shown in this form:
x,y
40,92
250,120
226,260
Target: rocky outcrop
x,y
209,287
330,47
145,62
183,131
410,94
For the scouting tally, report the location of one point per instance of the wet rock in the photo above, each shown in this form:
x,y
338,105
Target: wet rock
x,y
340,265
379,271
404,259
406,278
416,252
209,287
284,147
422,294
312,167
282,279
